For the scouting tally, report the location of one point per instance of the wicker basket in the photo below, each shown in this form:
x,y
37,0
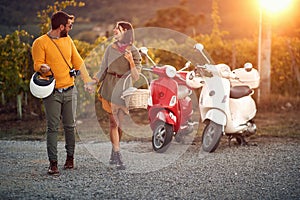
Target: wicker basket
x,y
134,97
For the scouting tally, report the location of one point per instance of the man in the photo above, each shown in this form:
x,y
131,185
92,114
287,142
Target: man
x,y
55,53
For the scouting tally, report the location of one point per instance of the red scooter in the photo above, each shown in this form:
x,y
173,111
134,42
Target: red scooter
x,y
169,105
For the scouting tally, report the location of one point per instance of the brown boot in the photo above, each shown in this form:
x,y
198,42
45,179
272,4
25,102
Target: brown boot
x,y
53,169
113,158
69,162
119,162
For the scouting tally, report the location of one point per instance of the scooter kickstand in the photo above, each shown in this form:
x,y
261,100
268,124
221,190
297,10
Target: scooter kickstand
x,y
229,140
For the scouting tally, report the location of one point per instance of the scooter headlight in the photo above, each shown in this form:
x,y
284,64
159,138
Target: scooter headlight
x,y
170,71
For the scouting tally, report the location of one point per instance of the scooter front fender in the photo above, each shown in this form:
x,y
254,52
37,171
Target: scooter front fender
x,y
162,115
167,117
216,116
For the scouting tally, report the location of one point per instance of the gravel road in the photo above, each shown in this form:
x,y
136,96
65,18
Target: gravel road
x,y
270,170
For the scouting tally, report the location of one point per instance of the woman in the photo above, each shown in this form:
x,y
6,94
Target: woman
x,y
121,58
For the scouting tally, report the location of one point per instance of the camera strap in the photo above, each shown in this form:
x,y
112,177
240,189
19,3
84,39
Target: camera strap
x,y
60,52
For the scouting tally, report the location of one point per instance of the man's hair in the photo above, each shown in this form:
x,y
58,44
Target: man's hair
x,y
60,18
129,35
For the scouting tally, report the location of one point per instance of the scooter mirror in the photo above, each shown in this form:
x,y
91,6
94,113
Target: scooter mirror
x,y
144,50
248,66
187,65
199,47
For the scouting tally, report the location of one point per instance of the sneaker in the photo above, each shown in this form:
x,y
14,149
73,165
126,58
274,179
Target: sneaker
x,y
119,162
69,164
53,170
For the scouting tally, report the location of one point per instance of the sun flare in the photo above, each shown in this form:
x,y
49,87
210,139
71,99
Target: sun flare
x,y
275,5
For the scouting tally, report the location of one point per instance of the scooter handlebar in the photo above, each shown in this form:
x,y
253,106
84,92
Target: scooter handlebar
x,y
147,69
221,70
179,77
200,66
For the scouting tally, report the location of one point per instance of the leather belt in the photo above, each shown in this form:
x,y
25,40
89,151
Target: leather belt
x,y
116,75
60,90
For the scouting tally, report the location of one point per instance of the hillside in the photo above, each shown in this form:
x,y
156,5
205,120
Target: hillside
x,y
238,17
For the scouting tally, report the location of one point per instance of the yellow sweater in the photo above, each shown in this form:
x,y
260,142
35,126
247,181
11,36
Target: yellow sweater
x,y
45,52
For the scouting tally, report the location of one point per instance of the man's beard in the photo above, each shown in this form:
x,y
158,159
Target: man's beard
x,y
64,33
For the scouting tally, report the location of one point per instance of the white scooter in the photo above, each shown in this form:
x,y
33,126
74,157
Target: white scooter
x,y
225,102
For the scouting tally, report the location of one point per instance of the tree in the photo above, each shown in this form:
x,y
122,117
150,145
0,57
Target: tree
x,y
15,60
176,18
214,42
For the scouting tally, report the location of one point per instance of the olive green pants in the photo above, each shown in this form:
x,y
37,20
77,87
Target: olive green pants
x,y
60,106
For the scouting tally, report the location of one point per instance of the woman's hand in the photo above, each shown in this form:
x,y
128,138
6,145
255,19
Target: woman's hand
x,y
128,55
134,72
90,86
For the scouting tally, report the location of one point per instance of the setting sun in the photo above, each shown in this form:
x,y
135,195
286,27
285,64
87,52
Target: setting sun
x,y
275,5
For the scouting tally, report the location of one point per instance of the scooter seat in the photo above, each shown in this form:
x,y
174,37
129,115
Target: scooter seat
x,y
240,91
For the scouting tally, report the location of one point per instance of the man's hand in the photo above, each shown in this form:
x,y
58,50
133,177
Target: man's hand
x,y
44,68
90,86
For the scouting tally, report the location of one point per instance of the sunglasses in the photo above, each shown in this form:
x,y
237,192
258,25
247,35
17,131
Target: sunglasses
x,y
70,25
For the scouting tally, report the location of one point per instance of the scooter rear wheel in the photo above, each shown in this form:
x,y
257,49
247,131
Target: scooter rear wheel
x,y
162,137
211,136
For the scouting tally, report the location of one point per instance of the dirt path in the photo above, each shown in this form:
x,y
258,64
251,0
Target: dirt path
x,y
270,170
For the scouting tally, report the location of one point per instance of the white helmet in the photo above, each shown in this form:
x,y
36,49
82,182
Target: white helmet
x,y
41,87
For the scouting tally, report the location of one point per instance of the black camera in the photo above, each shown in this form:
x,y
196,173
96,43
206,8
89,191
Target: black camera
x,y
74,72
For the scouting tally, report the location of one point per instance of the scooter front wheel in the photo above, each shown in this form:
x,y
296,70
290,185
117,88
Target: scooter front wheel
x,y
162,137
211,136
